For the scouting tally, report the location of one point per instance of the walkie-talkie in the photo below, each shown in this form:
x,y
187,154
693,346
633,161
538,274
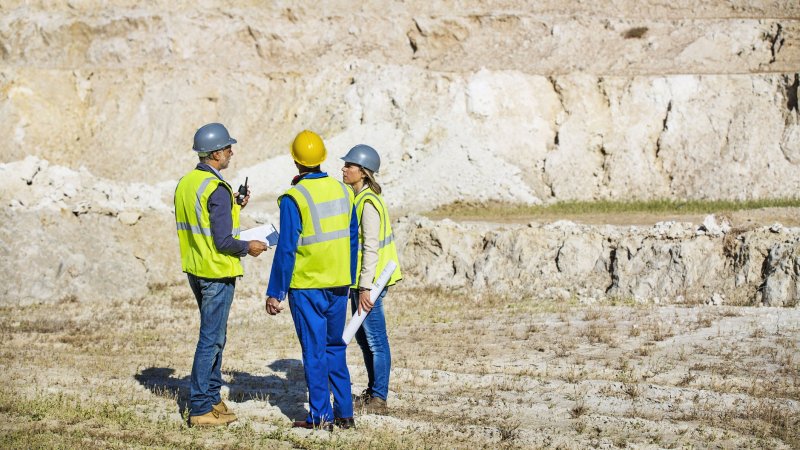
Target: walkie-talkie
x,y
242,192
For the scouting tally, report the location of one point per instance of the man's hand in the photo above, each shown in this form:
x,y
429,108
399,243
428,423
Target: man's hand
x,y
364,301
254,248
274,307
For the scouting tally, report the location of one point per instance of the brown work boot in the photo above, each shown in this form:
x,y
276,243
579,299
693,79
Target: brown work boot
x,y
327,426
209,419
360,399
224,412
374,405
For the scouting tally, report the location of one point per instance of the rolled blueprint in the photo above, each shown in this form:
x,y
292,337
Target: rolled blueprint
x,y
377,288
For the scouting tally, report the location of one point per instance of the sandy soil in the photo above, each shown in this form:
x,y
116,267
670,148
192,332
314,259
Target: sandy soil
x,y
469,372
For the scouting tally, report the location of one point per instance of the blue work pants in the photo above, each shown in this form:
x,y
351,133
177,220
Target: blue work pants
x,y
374,343
319,316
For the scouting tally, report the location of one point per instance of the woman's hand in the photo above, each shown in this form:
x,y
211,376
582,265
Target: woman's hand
x,y
364,301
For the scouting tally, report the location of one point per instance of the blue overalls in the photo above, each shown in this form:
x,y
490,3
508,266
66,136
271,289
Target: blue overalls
x,y
319,317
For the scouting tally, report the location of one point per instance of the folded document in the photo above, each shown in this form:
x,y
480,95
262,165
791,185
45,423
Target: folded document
x,y
264,233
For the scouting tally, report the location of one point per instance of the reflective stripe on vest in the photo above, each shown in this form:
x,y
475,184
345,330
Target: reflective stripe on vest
x,y
199,255
387,250
324,210
323,248
204,231
382,243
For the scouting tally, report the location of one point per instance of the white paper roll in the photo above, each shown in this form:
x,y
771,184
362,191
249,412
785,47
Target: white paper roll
x,y
377,288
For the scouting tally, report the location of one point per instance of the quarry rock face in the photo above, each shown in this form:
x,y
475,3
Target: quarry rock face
x,y
781,274
504,101
507,101
671,262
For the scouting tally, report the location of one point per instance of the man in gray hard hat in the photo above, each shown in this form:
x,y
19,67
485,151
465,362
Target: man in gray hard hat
x,y
207,218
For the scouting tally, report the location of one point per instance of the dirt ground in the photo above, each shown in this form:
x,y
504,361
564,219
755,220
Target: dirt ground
x,y
468,372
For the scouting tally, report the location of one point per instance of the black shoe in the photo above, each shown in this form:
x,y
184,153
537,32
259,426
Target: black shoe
x,y
327,426
344,423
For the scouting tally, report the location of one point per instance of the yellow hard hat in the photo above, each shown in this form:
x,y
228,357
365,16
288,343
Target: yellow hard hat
x,y
308,149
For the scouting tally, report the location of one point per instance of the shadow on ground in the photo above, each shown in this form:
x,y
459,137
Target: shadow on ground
x,y
287,394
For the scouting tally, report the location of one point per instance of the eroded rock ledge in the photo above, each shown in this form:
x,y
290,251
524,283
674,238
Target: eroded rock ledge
x,y
71,236
670,262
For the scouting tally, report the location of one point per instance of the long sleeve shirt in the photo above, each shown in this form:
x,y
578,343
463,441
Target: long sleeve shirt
x,y
219,211
285,252
370,230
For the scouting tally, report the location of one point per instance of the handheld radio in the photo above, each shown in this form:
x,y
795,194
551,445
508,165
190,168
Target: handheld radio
x,y
242,192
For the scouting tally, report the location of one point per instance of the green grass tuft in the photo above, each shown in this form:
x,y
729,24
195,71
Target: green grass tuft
x,y
575,207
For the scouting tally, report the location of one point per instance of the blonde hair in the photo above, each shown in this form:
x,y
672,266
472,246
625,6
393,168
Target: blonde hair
x,y
370,180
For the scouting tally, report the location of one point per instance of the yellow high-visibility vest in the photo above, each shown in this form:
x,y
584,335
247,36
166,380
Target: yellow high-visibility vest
x,y
387,250
199,255
323,250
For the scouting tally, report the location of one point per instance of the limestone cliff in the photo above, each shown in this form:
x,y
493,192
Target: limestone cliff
x,y
504,100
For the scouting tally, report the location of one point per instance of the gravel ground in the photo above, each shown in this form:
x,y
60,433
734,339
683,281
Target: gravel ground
x,y
467,372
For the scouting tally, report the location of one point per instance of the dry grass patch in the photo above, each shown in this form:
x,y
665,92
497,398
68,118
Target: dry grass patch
x,y
115,375
597,333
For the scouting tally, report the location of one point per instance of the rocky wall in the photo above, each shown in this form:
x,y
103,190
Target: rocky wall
x,y
670,262
506,100
499,101
72,236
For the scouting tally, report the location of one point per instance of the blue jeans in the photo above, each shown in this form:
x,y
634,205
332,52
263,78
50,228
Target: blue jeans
x,y
319,316
374,343
214,299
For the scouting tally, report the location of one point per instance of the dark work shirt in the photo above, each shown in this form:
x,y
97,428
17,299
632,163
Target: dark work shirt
x,y
219,211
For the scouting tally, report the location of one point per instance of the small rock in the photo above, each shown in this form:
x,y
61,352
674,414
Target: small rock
x,y
716,299
30,167
711,226
565,225
776,228
81,208
129,217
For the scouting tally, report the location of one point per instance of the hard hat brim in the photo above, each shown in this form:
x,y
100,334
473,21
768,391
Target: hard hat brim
x,y
231,141
369,161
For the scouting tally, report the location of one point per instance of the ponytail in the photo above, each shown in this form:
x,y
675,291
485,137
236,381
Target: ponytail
x,y
370,181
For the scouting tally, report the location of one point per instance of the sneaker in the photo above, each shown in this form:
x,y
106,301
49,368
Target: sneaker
x,y
374,405
226,413
344,423
209,419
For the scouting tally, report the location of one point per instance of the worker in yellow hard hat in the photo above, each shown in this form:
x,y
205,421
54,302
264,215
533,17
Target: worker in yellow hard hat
x,y
314,266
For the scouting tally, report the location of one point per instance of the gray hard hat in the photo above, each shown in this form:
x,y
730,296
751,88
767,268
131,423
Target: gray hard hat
x,y
365,156
212,137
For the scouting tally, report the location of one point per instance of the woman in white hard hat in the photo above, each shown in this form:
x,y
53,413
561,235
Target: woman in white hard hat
x,y
376,249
